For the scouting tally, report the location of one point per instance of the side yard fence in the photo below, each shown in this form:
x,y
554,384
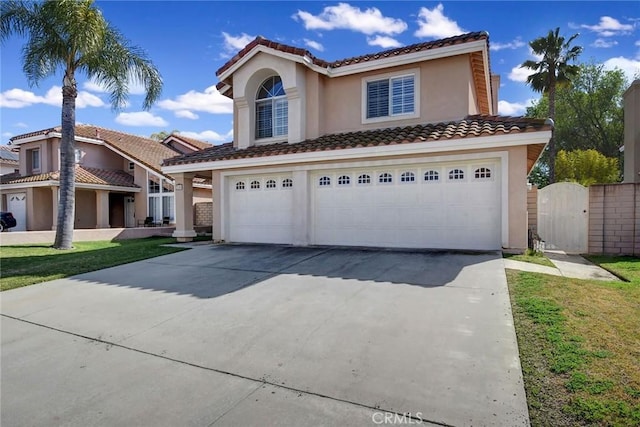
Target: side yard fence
x,y
613,218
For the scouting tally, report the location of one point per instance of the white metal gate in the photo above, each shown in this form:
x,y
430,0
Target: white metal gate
x,y
563,218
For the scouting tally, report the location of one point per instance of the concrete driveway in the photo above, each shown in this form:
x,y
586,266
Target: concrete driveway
x,y
266,335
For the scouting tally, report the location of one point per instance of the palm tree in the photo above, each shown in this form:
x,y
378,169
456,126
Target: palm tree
x,y
551,71
73,36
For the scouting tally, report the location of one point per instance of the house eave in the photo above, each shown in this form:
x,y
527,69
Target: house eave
x,y
460,144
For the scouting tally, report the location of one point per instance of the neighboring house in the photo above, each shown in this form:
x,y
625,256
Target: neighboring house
x,y
118,179
401,148
9,160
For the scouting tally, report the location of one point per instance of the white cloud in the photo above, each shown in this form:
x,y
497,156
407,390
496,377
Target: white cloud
x,y
518,74
209,135
186,114
141,118
638,43
346,17
630,67
433,23
135,87
506,108
235,43
209,101
604,43
514,44
21,125
608,27
314,45
7,134
383,41
19,98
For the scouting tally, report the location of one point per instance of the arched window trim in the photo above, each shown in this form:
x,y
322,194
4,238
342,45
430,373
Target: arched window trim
x,y
271,109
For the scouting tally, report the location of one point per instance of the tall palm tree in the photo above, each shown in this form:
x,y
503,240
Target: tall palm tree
x,y
550,72
72,36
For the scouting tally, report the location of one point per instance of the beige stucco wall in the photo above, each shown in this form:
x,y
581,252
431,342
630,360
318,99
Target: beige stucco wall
x,y
140,199
85,209
97,156
445,86
39,204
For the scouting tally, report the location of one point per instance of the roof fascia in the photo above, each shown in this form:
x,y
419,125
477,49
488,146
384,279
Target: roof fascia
x,y
55,135
474,143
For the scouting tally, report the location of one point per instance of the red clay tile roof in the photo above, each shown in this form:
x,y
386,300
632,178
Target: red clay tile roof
x,y
462,38
200,145
84,175
471,126
149,152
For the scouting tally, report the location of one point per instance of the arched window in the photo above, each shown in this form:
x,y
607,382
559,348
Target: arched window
x,y
408,177
385,178
255,185
272,109
287,183
240,185
482,173
344,180
325,181
456,174
271,183
364,179
431,176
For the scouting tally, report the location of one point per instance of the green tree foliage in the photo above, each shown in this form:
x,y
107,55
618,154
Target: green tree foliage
x,y
586,167
589,114
553,70
72,36
162,135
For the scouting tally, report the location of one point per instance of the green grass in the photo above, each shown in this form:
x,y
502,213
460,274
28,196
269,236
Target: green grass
x,y
579,347
626,267
531,257
25,265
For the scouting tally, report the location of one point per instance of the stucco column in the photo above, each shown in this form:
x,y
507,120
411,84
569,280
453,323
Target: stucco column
x,y
631,103
102,209
217,197
54,207
184,231
243,139
301,214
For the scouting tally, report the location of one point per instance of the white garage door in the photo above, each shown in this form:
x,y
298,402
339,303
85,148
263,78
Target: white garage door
x,y
260,209
17,205
453,205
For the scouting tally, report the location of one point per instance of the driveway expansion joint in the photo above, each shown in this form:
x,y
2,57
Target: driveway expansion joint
x,y
260,382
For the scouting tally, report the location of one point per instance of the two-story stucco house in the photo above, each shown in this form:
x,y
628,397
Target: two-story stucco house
x,y
118,179
402,148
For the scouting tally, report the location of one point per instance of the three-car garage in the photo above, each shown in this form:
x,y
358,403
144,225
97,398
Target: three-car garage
x,y
453,205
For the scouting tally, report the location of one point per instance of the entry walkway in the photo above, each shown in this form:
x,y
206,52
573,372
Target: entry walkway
x,y
566,265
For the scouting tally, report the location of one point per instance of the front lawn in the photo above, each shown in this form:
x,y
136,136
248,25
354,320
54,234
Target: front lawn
x,y
579,344
531,257
28,264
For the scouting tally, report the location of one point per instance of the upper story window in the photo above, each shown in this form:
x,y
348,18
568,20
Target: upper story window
x,y
78,155
392,96
35,160
272,109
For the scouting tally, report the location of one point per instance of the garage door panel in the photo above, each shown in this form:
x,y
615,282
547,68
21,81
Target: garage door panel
x,y
260,215
446,213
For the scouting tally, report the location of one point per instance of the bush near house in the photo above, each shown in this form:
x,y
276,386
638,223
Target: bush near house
x,y
579,345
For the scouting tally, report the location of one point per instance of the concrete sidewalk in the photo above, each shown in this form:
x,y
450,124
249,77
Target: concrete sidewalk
x,y
566,265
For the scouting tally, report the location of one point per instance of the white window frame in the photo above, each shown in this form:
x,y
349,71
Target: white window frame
x,y
328,179
35,155
252,181
160,198
368,175
274,100
451,178
387,174
288,181
415,72
273,181
406,174
342,178
487,168
436,173
240,186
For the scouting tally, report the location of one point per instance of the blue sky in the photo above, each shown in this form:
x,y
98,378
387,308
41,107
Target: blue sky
x,y
189,40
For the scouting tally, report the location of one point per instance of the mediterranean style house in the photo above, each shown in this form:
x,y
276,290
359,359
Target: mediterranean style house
x,y
118,179
9,160
401,148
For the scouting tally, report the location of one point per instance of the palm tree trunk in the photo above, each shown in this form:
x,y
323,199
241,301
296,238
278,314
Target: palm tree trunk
x,y
552,141
66,204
